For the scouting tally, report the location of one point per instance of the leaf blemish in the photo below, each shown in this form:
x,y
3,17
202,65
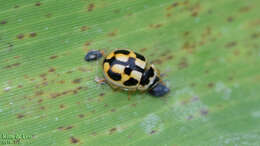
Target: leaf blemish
x,y
3,22
77,81
52,70
33,34
81,115
19,116
91,7
20,36
112,130
53,57
73,140
38,4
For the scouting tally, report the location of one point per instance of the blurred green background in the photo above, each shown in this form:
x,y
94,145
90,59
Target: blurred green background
x,y
208,52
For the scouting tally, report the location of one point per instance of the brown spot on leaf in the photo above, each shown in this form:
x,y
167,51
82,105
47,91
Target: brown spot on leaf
x,y
94,133
244,9
40,100
113,110
231,44
192,84
133,105
20,36
172,6
33,34
168,15
194,14
16,6
112,130
87,44
77,81
105,105
38,4
186,33
69,127
52,70
62,106
84,28
143,50
152,132
81,115
19,86
183,63
49,15
73,140
3,22
111,34
12,65
39,93
55,95
42,107
19,116
117,11
156,61
189,47
101,94
255,35
61,128
91,7
230,19
204,112
53,57
236,52
189,117
156,25
211,85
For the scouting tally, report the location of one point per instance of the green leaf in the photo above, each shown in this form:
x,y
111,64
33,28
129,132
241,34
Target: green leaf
x,y
207,52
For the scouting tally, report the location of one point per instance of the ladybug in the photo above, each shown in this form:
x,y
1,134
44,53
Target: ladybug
x,y
130,71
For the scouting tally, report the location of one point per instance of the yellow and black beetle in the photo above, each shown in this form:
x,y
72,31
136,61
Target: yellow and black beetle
x,y
128,70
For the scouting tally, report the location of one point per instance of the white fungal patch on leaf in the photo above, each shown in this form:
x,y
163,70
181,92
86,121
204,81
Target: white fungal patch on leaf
x,y
256,114
152,122
189,109
224,90
251,139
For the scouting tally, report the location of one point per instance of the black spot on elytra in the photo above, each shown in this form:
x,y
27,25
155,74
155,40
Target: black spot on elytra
x,y
146,75
73,140
125,52
128,71
113,75
139,56
131,82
